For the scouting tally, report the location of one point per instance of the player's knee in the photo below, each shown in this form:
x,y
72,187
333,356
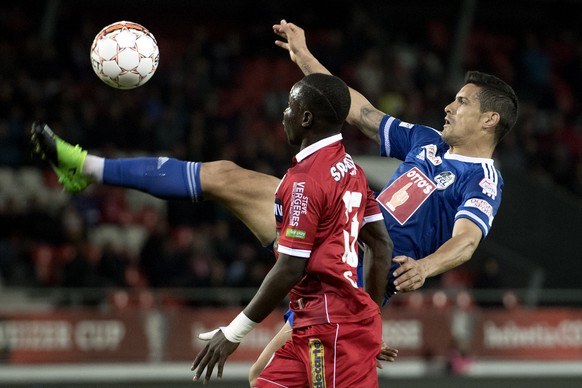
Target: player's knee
x,y
226,165
218,175
225,170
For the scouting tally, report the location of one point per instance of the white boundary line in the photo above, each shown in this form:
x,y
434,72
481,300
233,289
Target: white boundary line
x,y
164,372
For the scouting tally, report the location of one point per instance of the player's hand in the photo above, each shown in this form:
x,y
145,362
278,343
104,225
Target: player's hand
x,y
294,36
387,353
214,354
410,275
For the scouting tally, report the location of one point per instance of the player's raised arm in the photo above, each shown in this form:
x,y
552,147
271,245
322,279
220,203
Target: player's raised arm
x,y
365,116
296,44
362,113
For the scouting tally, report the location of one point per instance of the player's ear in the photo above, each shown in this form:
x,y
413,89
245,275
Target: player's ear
x,y
307,119
490,119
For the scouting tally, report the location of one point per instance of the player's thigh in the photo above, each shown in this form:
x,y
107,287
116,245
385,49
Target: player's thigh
x,y
357,346
285,369
248,194
342,355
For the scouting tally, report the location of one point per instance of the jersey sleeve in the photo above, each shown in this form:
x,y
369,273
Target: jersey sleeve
x,y
372,212
398,137
481,198
302,206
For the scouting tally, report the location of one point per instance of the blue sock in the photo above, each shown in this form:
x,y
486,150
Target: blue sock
x,y
162,177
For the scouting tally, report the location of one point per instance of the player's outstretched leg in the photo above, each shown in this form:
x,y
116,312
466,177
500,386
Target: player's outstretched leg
x,y
248,194
65,159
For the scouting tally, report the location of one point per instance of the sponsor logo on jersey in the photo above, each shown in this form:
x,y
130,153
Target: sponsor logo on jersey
x,y
340,169
444,180
406,194
298,204
489,187
316,362
430,152
406,125
482,205
295,233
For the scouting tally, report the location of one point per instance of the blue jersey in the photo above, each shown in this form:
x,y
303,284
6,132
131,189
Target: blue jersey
x,y
432,188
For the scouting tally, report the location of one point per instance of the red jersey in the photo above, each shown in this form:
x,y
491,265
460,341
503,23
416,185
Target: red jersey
x,y
320,206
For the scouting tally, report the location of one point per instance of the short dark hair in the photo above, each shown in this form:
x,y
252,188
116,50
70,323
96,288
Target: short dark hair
x,y
496,96
327,96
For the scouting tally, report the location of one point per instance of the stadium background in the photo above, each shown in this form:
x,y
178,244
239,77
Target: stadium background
x,y
80,272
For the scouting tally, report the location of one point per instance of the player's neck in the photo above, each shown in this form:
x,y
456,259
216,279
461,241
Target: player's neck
x,y
315,136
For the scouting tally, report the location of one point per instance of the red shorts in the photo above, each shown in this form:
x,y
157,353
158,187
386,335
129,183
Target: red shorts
x,y
327,356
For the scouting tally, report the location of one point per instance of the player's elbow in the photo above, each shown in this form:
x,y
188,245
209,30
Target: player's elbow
x,y
389,244
383,245
288,271
468,236
471,243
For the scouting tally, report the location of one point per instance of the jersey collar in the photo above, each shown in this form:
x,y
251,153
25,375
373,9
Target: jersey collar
x,y
304,153
467,159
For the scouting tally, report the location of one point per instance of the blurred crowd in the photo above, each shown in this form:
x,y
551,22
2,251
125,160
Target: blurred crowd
x,y
219,93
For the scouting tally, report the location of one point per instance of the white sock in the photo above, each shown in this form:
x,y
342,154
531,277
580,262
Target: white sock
x,y
93,167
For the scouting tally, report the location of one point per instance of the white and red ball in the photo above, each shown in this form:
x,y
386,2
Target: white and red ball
x,y
125,55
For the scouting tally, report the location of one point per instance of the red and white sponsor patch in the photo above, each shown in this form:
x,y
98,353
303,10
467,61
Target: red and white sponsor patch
x,y
481,204
431,154
489,187
405,195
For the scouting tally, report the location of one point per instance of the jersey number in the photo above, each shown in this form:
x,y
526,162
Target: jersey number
x,y
352,202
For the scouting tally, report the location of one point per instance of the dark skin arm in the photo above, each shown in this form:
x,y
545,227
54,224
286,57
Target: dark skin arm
x,y
287,271
376,259
377,256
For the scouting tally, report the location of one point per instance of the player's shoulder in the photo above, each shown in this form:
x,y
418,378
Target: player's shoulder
x,y
479,171
474,164
414,127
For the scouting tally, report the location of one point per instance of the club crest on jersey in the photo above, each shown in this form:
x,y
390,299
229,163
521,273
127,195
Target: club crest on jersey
x,y
444,180
316,363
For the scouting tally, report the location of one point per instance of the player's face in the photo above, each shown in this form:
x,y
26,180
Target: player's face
x,y
292,117
463,115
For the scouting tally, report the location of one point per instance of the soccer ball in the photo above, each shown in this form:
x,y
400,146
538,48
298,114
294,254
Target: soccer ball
x,y
124,55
